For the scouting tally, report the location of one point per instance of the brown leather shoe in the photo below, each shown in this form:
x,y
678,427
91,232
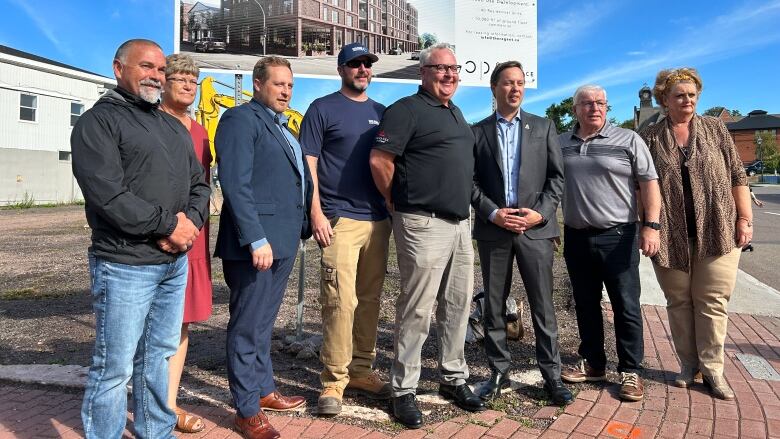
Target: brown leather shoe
x,y
275,402
583,372
631,387
256,427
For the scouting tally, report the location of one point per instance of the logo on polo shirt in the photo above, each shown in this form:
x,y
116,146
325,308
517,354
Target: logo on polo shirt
x,y
373,122
381,138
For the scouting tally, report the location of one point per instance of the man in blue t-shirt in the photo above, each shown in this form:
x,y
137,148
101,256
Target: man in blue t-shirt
x,y
350,222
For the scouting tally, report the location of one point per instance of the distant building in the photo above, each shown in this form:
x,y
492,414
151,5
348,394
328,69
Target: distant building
x,y
200,21
318,27
746,130
40,101
646,114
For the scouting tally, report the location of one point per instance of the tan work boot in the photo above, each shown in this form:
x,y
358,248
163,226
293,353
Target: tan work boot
x,y
687,376
329,403
372,386
718,387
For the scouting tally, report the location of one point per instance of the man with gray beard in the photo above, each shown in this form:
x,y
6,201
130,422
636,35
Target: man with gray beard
x,y
350,222
145,200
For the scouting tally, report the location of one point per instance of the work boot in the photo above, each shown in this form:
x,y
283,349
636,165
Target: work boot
x,y
686,377
329,402
371,385
718,386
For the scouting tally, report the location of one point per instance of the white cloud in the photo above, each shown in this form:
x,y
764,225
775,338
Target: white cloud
x,y
636,53
36,17
745,27
556,35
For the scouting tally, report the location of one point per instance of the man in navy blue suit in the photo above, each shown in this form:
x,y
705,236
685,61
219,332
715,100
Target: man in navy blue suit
x,y
267,194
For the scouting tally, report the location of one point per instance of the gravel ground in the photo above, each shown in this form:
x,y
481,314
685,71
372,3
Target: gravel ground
x,y
45,318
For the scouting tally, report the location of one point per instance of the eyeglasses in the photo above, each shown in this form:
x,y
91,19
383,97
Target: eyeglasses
x,y
594,104
441,68
356,63
182,81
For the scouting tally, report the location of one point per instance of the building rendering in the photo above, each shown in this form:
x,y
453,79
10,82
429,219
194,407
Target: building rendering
x,y
40,101
317,27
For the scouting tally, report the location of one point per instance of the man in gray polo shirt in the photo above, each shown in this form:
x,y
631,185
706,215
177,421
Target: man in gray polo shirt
x,y
610,183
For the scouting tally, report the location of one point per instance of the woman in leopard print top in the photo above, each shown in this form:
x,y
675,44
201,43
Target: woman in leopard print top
x,y
706,218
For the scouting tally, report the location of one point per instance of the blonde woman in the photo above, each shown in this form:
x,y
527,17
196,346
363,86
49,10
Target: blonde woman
x,y
181,83
706,218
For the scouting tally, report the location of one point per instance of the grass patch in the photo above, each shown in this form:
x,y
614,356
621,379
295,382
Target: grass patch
x,y
19,293
26,202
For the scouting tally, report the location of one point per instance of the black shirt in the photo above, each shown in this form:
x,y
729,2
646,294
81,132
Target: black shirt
x,y
434,149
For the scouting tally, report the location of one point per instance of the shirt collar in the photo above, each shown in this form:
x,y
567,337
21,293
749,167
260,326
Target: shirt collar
x,y
499,117
606,131
431,100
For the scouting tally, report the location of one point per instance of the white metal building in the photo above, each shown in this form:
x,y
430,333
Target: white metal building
x,y
40,101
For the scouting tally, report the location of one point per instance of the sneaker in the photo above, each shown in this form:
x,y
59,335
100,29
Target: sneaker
x,y
371,385
329,402
583,372
687,376
631,387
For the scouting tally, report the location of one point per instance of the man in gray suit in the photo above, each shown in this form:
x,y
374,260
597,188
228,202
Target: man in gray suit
x,y
518,181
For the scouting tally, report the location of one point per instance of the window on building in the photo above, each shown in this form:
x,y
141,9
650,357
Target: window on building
x,y
28,107
334,16
325,13
349,20
348,5
65,156
75,112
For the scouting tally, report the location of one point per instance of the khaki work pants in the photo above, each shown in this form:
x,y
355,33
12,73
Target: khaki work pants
x,y
436,264
352,277
696,305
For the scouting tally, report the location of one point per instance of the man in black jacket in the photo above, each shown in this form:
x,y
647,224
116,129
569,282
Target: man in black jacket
x,y
145,200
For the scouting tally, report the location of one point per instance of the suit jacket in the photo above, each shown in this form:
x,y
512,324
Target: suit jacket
x,y
261,186
541,176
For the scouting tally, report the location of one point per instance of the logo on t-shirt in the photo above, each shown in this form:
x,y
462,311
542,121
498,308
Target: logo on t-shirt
x,y
381,138
373,122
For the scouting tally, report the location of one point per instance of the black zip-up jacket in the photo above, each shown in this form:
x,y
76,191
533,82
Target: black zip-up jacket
x,y
136,168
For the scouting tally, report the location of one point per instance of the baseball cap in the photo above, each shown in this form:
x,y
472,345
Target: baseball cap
x,y
355,50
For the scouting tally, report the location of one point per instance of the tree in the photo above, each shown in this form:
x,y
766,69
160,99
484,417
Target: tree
x,y
562,114
627,124
768,151
427,40
715,111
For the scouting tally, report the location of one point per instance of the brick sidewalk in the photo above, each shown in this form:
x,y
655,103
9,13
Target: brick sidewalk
x,y
666,411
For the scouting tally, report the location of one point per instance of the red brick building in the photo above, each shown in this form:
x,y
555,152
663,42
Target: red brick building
x,y
746,130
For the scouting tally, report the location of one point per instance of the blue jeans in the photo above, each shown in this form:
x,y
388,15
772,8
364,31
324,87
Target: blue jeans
x,y
138,315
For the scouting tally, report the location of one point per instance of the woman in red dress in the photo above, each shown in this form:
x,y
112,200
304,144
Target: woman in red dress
x,y
181,83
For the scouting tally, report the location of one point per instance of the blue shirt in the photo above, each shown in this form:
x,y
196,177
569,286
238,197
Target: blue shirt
x,y
280,120
340,133
508,132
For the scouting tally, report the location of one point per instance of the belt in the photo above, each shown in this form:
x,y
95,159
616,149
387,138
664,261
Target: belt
x,y
444,216
596,230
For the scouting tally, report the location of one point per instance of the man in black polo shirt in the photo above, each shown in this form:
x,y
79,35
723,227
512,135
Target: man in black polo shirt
x,y
423,164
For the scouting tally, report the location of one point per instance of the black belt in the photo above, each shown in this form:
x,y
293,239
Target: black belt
x,y
444,216
597,231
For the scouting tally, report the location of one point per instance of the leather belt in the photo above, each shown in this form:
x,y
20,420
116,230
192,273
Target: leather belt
x,y
444,216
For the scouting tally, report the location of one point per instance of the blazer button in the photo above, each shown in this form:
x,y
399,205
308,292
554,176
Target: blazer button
x,y
299,206
298,183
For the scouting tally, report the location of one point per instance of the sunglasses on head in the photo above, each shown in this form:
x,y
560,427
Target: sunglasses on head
x,y
356,63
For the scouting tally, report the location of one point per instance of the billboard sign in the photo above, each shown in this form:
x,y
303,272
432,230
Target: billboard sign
x,y
229,35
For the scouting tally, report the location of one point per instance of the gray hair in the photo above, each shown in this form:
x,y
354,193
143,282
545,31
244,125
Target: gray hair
x,y
426,53
180,63
589,88
121,52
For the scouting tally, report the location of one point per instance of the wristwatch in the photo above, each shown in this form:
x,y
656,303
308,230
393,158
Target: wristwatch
x,y
652,225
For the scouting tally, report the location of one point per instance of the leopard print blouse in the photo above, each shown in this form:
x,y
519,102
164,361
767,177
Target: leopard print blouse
x,y
715,168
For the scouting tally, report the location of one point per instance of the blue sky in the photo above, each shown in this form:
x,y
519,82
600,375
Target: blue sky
x,y
618,44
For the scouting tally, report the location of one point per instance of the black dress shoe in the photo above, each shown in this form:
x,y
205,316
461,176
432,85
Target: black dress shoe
x,y
492,388
559,394
463,397
406,412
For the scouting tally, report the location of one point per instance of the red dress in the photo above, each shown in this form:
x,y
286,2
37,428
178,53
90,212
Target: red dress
x,y
197,299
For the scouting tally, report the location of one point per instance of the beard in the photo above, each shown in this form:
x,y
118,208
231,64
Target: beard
x,y
353,84
150,90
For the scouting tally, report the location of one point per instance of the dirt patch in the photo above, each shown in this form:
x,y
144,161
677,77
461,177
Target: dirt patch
x,y
46,318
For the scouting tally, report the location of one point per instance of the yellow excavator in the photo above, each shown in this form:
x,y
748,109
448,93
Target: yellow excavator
x,y
211,102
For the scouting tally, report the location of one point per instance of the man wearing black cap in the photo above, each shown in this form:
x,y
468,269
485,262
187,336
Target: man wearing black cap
x,y
350,222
